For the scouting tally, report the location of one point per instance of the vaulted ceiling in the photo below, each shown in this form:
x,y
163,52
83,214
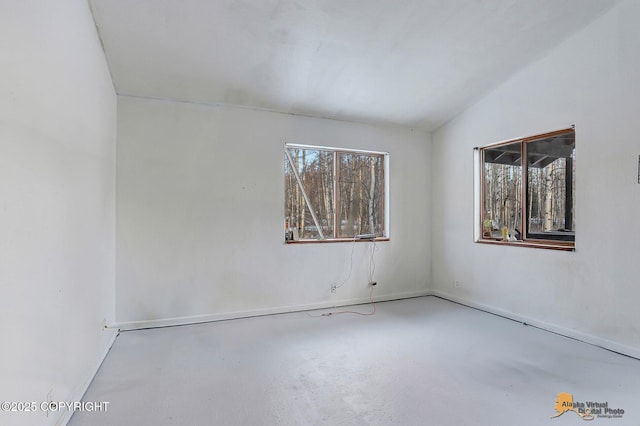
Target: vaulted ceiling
x,y
410,63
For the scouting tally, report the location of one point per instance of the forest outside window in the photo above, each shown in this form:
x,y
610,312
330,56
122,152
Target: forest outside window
x,y
526,191
334,194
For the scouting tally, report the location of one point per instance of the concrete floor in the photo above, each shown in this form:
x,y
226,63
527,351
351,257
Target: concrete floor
x,y
422,361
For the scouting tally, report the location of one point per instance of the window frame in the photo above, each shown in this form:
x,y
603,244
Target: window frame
x,y
533,240
336,152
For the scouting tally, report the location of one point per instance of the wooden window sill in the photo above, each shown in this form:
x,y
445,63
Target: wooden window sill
x,y
549,245
336,240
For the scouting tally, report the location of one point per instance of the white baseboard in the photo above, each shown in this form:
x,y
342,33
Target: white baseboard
x,y
196,319
573,334
65,415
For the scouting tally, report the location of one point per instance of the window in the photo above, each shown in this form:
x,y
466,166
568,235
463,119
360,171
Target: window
x,y
334,194
526,188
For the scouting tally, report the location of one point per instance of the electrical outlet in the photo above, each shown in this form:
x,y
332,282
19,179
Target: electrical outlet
x,y
457,284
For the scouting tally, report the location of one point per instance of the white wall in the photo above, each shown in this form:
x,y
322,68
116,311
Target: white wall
x,y
200,213
57,212
590,80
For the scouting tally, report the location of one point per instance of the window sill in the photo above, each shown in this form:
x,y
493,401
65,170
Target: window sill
x,y
336,240
555,245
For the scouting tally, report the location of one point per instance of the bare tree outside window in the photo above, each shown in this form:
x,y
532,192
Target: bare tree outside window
x,y
334,194
502,188
527,189
315,171
360,194
551,167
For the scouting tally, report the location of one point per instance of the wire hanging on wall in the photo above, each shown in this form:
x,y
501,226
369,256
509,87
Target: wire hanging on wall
x,y
372,284
336,286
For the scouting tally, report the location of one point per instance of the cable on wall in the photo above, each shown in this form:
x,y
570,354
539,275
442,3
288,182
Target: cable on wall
x,y
372,263
336,286
372,284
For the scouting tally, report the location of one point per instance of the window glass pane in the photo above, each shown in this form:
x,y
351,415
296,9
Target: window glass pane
x,y
315,169
502,192
360,194
551,184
